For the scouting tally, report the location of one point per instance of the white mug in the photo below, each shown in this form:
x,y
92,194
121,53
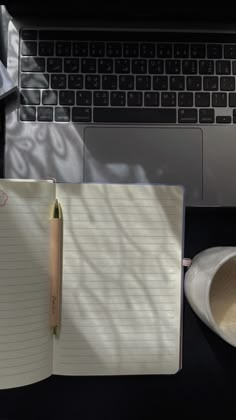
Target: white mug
x,y
210,288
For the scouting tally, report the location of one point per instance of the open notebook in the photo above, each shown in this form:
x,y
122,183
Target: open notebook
x,y
122,280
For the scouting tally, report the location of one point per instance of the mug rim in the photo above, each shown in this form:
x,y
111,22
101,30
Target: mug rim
x,y
217,329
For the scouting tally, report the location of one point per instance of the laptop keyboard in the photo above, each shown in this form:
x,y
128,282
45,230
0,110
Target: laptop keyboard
x,y
64,79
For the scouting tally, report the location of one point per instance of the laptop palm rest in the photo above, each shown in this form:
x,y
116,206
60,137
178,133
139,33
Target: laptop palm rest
x,y
145,154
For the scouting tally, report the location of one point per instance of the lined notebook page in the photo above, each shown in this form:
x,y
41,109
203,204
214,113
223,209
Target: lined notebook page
x,y
121,304
25,340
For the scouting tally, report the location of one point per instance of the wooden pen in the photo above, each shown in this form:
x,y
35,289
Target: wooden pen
x,y
56,267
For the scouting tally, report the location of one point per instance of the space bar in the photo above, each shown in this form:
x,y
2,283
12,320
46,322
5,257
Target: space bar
x,y
135,115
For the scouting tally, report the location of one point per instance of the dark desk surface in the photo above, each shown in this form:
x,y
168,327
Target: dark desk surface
x,y
206,382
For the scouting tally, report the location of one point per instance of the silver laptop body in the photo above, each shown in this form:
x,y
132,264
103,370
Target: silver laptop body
x,y
124,101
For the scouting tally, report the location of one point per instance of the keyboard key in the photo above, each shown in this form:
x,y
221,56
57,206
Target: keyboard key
x,y
210,83
202,99
139,66
187,116
232,99
46,48
227,83
156,66
189,66
63,49
185,99
84,98
66,97
194,83
134,98
58,81
230,51
49,97
164,50
80,49
234,116
143,82
181,51
214,51
40,80
105,65
45,113
173,66
28,113
75,81
224,119
151,99
62,114
92,82
206,67
206,116
81,114
234,67
88,65
168,99
101,98
30,97
97,49
131,50
54,65
177,83
126,82
147,50
33,64
135,115
219,99
71,65
29,48
197,51
28,34
160,82
114,49
109,82
223,67
122,65
117,98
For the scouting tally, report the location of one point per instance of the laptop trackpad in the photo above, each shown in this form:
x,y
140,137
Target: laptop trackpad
x,y
144,154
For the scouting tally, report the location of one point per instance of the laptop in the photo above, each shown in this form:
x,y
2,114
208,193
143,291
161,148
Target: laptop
x,y
137,95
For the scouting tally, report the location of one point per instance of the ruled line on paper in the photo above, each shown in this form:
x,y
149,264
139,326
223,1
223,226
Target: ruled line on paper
x,y
82,357
24,345
116,341
41,298
15,374
23,292
86,351
21,341
25,308
22,364
25,348
21,316
105,347
26,356
3,334
115,363
14,228
116,318
15,325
